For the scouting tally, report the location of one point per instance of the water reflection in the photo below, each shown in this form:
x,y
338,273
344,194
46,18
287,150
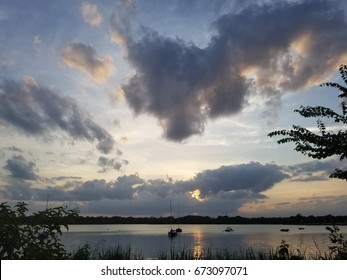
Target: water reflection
x,y
198,245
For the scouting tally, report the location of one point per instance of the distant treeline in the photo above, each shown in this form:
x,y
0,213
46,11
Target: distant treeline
x,y
191,219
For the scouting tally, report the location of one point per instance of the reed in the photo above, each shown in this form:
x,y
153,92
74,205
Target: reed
x,y
117,253
337,251
120,253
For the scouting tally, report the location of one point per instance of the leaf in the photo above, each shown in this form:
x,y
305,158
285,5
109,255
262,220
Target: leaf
x,y
323,144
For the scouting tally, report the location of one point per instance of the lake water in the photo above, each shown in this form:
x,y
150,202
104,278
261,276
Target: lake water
x,y
150,241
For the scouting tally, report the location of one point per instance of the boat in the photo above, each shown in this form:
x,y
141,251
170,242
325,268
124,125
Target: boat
x,y
171,232
178,216
284,229
44,233
228,229
178,229
301,228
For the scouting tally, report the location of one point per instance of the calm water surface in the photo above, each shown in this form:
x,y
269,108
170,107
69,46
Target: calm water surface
x,y
149,241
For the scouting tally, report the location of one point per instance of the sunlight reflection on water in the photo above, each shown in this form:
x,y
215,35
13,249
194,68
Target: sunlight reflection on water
x,y
198,245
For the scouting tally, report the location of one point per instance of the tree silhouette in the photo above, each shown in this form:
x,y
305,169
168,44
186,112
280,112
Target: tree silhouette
x,y
323,144
22,240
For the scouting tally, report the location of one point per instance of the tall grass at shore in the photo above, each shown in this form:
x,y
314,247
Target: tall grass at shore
x,y
337,251
117,252
282,252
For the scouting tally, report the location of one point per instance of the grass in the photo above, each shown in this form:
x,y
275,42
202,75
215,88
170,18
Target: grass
x,y
282,252
337,251
118,253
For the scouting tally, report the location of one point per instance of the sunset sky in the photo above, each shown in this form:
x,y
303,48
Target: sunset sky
x,y
119,107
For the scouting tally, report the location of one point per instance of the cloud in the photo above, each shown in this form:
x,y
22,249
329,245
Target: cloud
x,y
224,189
83,57
121,23
227,187
38,110
108,164
124,187
91,14
316,170
281,55
253,177
14,149
59,178
258,51
18,190
20,168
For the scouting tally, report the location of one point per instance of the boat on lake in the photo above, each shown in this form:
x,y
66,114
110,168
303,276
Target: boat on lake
x,y
301,228
228,229
44,233
284,229
172,232
178,229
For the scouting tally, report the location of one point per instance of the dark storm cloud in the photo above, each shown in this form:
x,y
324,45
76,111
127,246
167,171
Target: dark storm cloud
x,y
245,181
162,189
238,182
226,188
18,190
262,50
20,168
227,182
223,189
37,110
123,188
243,195
181,85
252,177
295,42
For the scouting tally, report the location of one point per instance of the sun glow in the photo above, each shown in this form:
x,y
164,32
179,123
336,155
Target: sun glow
x,y
196,195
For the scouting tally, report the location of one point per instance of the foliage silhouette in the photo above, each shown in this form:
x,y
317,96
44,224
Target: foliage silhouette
x,y
324,144
339,248
39,239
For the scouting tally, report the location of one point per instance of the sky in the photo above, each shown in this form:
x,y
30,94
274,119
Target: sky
x,y
121,108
